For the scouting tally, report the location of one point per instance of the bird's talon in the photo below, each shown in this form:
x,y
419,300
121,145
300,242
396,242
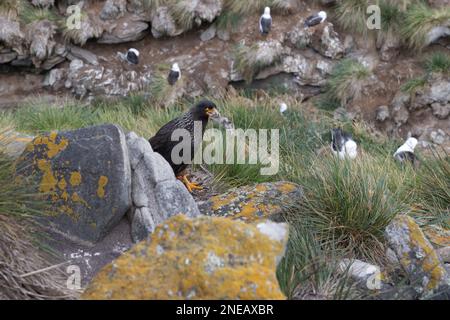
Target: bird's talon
x,y
190,185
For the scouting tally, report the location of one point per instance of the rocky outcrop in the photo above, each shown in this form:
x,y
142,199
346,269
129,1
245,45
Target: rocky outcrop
x,y
86,176
202,258
89,81
157,195
419,260
254,203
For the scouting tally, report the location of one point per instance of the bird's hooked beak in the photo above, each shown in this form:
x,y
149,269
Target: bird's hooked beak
x,y
212,112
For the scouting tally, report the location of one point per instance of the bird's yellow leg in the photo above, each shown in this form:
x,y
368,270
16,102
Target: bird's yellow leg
x,y
189,185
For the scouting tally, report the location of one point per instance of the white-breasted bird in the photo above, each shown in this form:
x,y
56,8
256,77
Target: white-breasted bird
x,y
343,145
265,22
406,152
133,56
315,19
283,107
174,74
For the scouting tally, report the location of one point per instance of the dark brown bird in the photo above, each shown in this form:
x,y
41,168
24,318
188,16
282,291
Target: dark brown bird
x,y
163,144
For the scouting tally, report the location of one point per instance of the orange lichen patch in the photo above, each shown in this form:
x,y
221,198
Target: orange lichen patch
x,y
430,262
102,182
203,258
253,203
62,184
438,235
75,179
49,182
77,199
52,147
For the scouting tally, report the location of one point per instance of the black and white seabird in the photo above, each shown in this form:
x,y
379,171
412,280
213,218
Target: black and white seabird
x,y
265,22
283,107
343,145
316,19
133,56
174,74
406,152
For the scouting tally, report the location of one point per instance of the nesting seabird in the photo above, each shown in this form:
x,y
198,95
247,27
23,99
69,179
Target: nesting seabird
x,y
265,22
316,19
406,152
174,74
343,145
133,56
283,107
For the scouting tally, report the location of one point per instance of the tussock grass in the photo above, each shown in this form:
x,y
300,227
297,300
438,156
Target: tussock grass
x,y
419,20
355,201
18,253
346,81
438,62
413,85
434,189
40,116
351,15
29,14
309,269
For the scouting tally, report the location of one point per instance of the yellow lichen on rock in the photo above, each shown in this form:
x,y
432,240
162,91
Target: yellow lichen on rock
x,y
202,258
102,182
253,203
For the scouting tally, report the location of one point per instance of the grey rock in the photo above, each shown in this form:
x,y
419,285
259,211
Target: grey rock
x,y
441,111
113,9
329,44
40,35
400,113
390,48
223,34
418,258
11,35
7,57
208,34
438,136
382,113
87,175
444,253
156,194
55,78
173,198
163,24
124,31
82,54
142,224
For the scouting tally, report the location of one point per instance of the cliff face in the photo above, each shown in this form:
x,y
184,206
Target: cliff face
x,y
39,54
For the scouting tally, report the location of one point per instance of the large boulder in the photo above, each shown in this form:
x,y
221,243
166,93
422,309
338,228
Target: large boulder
x,y
157,195
86,176
254,203
40,35
201,258
418,258
11,35
163,24
125,30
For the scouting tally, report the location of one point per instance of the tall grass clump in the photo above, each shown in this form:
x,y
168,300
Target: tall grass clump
x,y
412,85
309,269
419,20
23,267
351,15
355,201
346,81
438,62
434,189
29,14
40,117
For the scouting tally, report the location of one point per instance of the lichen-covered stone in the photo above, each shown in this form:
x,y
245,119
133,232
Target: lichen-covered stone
x,y
418,258
86,175
437,235
253,203
201,258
